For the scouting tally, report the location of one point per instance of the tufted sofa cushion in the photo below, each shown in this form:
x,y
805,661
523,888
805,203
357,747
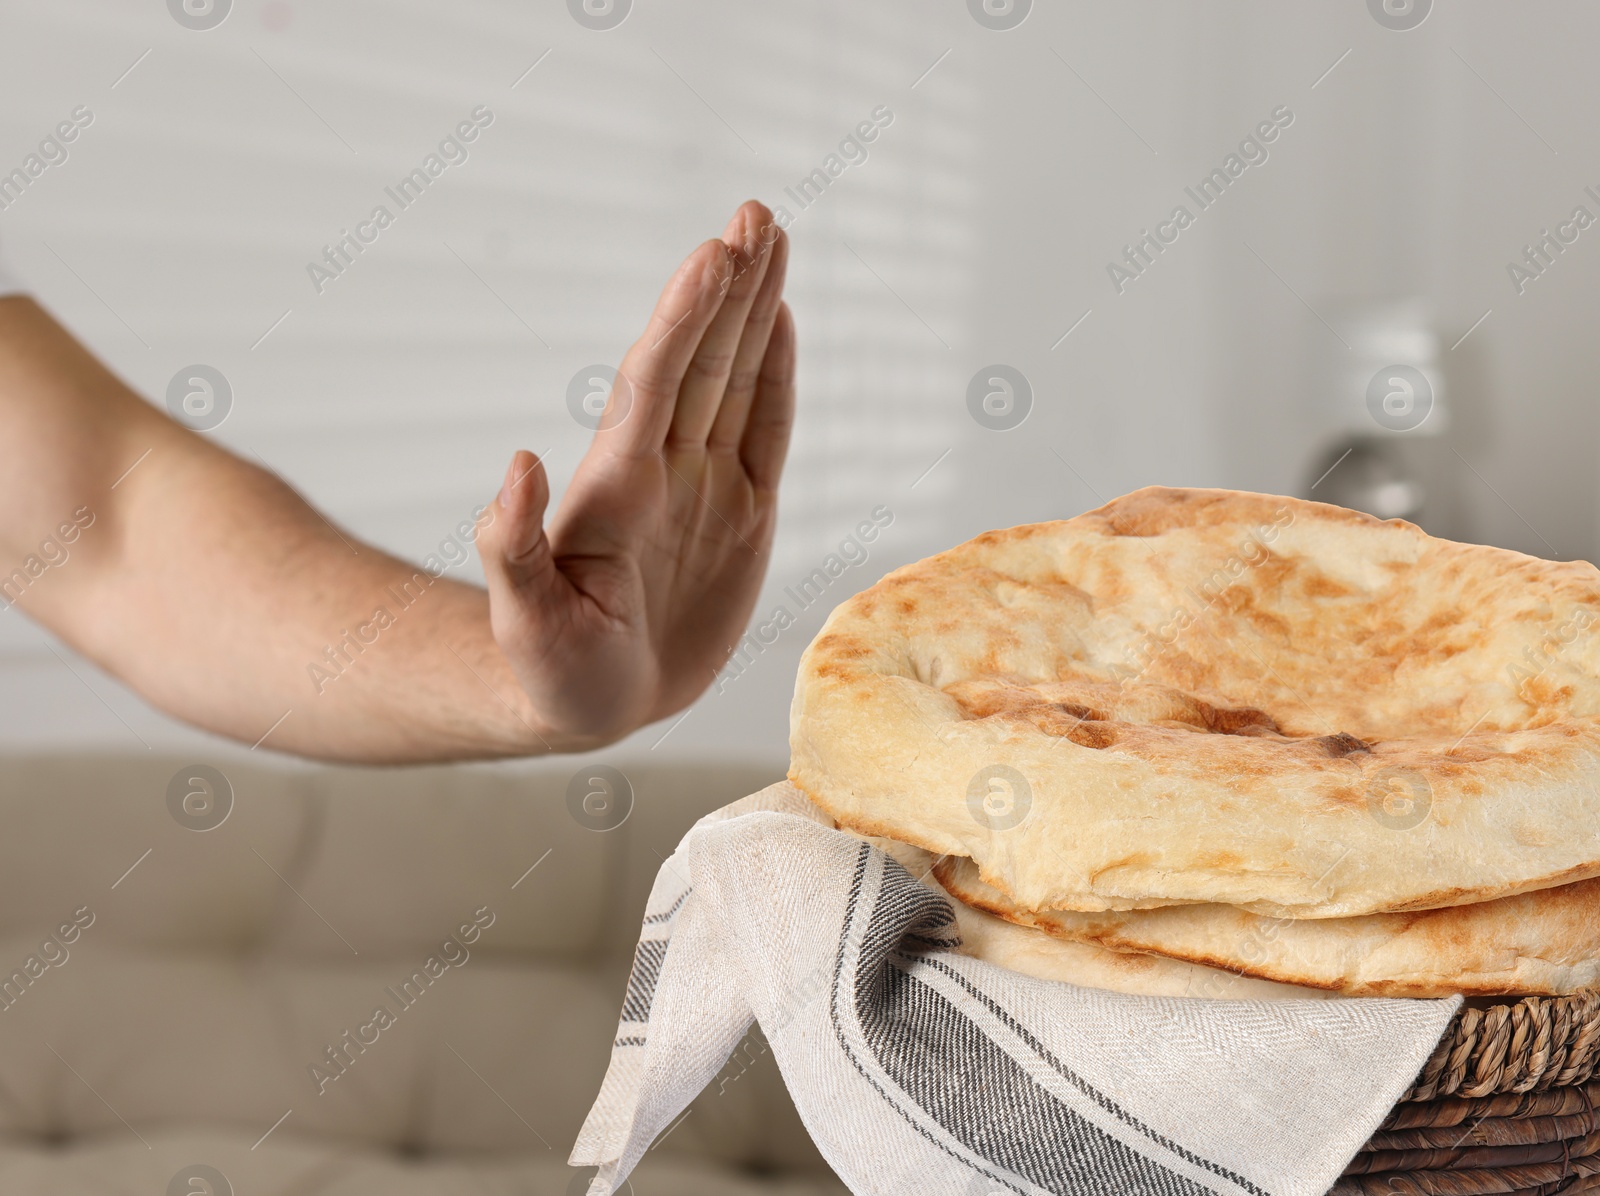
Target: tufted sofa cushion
x,y
169,994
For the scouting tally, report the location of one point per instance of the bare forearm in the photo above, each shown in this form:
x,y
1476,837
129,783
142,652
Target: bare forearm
x,y
213,590
255,618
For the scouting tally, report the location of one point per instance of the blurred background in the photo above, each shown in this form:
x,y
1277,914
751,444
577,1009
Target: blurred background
x,y
1387,300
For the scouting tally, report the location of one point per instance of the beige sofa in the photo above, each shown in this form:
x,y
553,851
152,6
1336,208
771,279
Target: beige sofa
x,y
175,998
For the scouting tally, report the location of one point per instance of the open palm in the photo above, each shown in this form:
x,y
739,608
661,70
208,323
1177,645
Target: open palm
x,y
624,608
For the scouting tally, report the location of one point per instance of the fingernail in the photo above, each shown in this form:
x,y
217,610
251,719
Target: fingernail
x,y
511,477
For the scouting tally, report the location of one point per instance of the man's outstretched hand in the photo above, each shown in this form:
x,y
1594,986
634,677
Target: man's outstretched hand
x,y
207,585
624,607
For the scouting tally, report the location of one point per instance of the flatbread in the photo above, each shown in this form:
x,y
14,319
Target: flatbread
x,y
1035,953
1207,696
1046,957
1541,943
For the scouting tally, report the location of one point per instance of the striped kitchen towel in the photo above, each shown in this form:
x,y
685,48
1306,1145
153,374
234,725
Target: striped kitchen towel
x,y
920,1070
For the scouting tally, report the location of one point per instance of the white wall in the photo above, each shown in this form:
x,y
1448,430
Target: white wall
x,y
977,232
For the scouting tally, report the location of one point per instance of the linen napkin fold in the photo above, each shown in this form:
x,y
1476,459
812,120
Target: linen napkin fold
x,y
920,1070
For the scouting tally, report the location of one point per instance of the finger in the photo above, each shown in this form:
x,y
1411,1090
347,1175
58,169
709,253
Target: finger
x,y
517,562
707,376
766,437
728,429
654,367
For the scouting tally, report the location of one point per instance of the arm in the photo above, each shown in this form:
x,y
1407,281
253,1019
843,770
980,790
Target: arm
x,y
212,589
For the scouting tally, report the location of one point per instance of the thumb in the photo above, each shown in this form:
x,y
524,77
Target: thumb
x,y
517,561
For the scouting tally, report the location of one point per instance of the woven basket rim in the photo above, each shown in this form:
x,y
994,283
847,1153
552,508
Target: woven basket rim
x,y
1523,1044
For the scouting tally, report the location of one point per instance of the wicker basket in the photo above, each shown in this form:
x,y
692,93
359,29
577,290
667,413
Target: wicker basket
x,y
1508,1103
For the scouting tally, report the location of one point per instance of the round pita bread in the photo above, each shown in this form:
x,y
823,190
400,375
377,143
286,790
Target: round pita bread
x,y
1207,696
1544,943
1047,957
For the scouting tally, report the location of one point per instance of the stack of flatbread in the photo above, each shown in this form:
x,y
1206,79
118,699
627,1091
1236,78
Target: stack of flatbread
x,y
1235,745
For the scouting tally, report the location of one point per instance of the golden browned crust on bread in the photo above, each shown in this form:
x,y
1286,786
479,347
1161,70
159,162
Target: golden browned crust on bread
x,y
1541,943
1043,956
1208,696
